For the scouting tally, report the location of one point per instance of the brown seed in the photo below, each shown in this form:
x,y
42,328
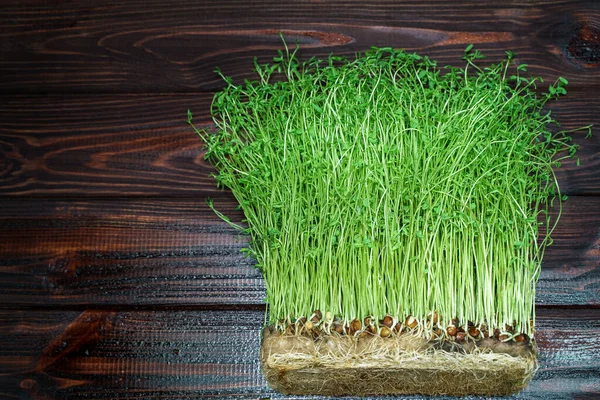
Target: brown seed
x,y
435,317
372,329
301,321
503,337
484,331
497,333
397,327
355,325
385,331
410,322
338,328
508,328
460,337
451,330
308,325
474,332
347,328
367,321
363,334
317,316
520,338
388,321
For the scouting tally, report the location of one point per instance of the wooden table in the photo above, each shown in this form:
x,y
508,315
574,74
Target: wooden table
x,y
116,280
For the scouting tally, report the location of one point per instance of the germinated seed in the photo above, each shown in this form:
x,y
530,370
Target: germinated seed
x,y
387,321
385,332
451,330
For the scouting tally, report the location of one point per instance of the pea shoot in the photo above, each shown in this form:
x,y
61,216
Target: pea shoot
x,y
386,195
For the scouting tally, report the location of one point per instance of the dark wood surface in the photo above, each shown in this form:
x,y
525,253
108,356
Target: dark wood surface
x,y
166,46
177,252
110,354
140,145
117,281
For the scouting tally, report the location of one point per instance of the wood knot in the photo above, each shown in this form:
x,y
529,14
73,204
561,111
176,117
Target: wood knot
x,y
316,37
585,44
27,383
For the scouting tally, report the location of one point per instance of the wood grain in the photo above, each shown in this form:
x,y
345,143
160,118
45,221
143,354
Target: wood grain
x,y
141,145
103,146
174,354
166,46
144,252
177,252
116,279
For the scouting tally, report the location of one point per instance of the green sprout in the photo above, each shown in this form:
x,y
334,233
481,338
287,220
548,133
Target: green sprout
x,y
385,186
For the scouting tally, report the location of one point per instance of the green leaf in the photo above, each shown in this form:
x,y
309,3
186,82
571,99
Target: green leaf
x,y
344,168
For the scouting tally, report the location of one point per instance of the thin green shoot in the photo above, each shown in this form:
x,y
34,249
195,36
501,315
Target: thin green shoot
x,y
385,186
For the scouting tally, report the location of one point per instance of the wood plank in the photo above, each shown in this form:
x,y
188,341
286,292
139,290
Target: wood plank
x,y
141,145
174,354
158,46
136,252
103,146
174,252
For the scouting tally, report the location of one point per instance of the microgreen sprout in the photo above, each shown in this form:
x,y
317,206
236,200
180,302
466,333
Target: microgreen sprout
x,y
384,186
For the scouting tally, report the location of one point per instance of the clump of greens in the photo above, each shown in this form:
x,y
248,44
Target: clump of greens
x,y
384,186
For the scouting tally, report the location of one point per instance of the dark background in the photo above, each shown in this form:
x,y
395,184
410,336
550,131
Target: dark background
x,y
116,280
